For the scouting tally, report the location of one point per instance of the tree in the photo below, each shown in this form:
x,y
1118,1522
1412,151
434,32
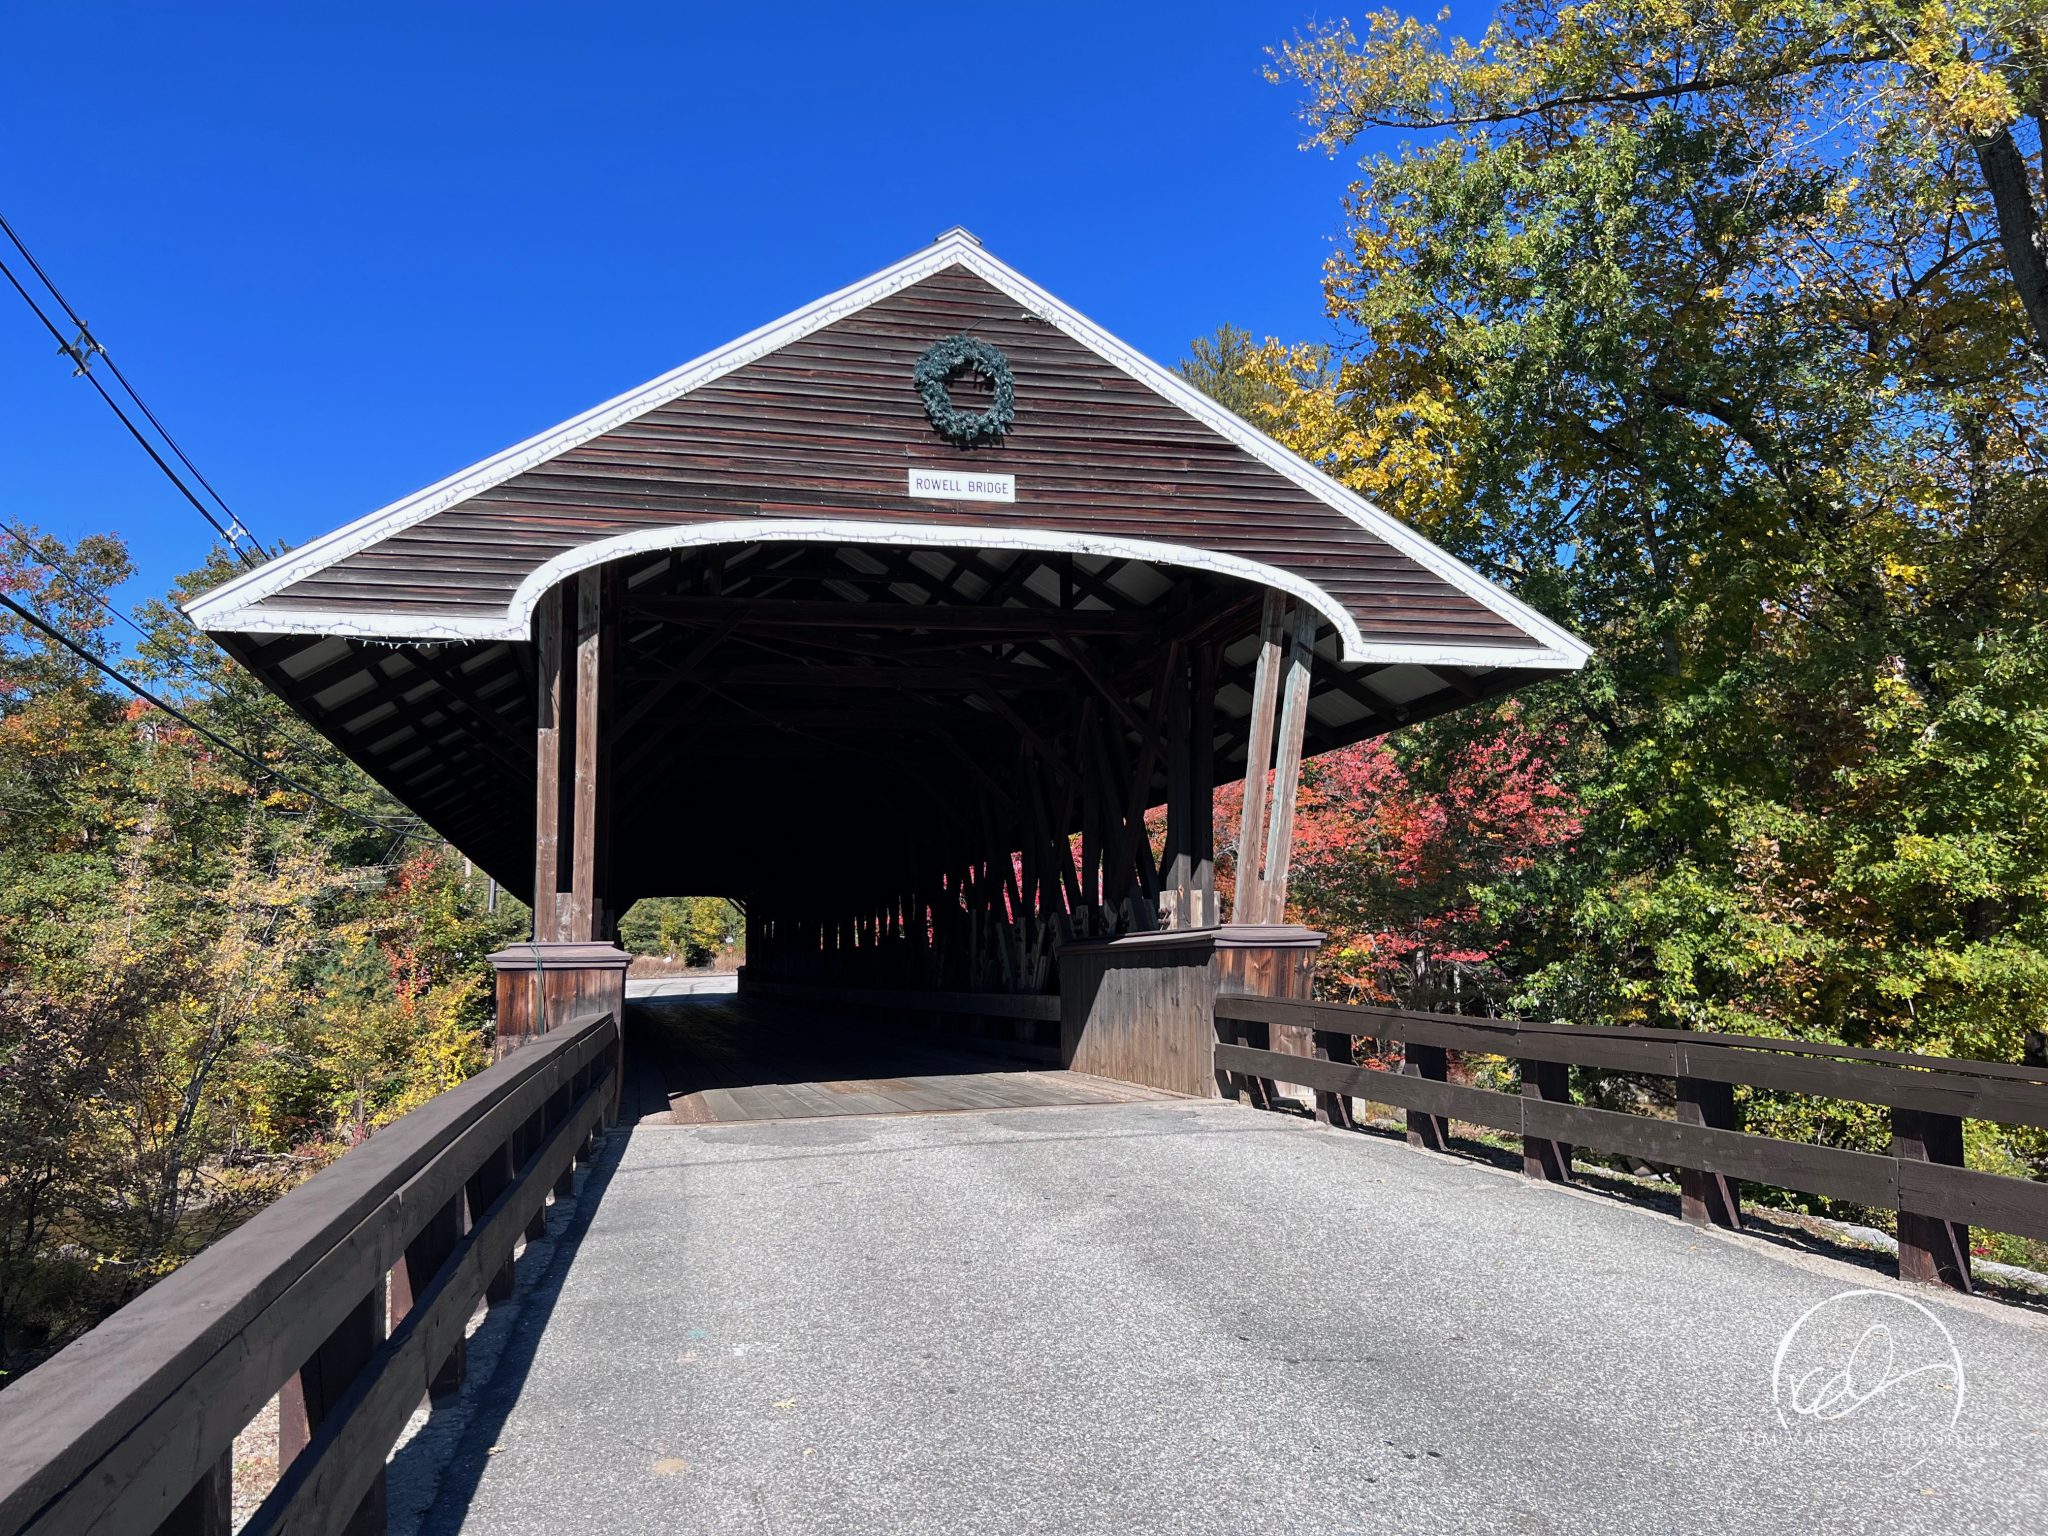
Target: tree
x,y
1711,330
1414,854
219,966
1913,83
1226,367
692,929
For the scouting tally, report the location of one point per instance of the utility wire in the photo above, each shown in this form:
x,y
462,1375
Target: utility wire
x,y
80,354
32,617
87,342
76,580
79,583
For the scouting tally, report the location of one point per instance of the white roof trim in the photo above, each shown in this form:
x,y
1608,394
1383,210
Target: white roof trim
x,y
230,607
515,623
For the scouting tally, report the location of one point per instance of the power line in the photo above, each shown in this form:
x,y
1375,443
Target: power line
x,y
87,342
58,635
77,581
82,353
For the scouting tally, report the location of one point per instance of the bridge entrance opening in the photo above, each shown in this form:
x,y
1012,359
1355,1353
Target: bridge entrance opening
x,y
708,1056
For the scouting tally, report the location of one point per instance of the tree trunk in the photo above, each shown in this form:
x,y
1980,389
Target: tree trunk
x,y
2019,229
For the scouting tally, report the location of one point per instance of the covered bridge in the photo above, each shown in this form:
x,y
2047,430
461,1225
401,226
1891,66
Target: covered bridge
x,y
859,620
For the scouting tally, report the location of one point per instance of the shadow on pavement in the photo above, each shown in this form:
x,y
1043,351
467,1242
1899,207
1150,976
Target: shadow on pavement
x,y
499,1364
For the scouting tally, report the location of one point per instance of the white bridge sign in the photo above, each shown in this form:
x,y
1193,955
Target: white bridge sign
x,y
962,485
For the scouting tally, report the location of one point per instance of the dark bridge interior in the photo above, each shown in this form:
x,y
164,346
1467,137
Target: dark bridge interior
x,y
818,712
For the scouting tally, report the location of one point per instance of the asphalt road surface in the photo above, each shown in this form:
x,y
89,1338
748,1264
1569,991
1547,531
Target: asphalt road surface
x,y
1189,1318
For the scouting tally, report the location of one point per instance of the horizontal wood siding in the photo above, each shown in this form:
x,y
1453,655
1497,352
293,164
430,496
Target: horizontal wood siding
x,y
827,428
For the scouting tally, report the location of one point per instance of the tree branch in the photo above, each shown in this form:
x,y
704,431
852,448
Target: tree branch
x,y
1698,85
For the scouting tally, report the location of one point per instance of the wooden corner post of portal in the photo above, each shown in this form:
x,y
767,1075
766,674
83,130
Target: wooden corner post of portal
x,y
1260,953
570,965
1272,763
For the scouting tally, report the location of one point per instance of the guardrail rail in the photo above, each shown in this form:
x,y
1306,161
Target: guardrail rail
x,y
348,1298
1923,1177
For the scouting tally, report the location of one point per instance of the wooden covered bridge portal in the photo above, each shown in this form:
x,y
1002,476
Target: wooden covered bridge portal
x,y
891,621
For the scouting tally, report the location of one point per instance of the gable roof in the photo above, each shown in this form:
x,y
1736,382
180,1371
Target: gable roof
x,y
293,594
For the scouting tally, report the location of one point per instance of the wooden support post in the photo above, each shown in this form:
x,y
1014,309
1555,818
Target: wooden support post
x,y
484,1186
209,1509
1931,1251
415,1271
1708,1198
1334,1108
610,641
1202,786
1091,821
551,806
1293,723
1258,759
585,859
1544,1159
1177,878
1431,1132
318,1386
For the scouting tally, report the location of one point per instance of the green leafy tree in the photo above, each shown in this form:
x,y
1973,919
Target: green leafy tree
x,y
692,929
218,967
1711,329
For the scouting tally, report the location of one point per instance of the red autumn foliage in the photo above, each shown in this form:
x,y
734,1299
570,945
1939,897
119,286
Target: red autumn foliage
x,y
1395,849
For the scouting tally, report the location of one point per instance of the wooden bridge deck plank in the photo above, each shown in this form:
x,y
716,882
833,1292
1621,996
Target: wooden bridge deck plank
x,y
712,1059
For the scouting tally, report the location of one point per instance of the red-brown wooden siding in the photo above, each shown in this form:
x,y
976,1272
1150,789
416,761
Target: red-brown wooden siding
x,y
826,428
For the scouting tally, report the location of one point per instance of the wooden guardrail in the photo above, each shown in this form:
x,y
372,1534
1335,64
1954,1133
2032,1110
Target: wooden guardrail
x,y
1923,1178
132,1428
1025,1007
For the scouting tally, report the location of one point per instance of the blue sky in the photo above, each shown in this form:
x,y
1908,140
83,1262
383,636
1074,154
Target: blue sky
x,y
345,251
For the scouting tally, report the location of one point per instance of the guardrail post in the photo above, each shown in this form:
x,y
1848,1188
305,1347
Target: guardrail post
x,y
617,1058
209,1509
1708,1199
1931,1250
317,1386
586,1078
1229,1085
1258,1092
1334,1108
414,1272
484,1186
558,1111
531,1135
1543,1159
1430,1132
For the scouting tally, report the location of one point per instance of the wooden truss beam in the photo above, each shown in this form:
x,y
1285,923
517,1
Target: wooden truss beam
x,y
811,614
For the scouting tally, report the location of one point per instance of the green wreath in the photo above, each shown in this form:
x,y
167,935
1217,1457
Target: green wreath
x,y
935,370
